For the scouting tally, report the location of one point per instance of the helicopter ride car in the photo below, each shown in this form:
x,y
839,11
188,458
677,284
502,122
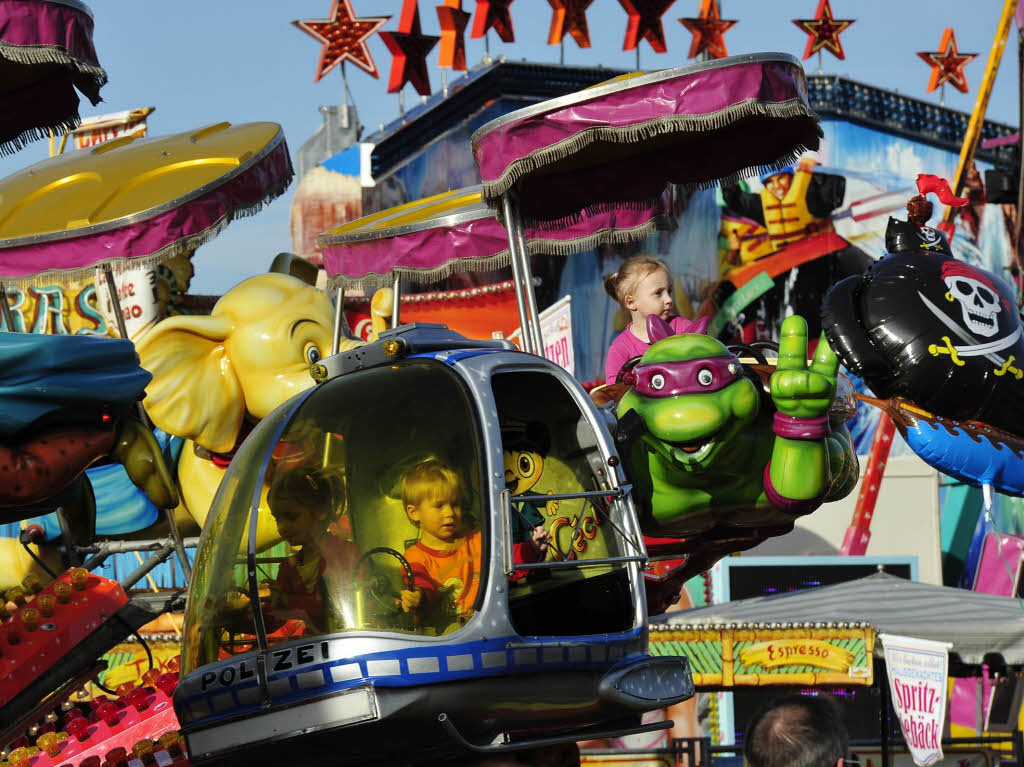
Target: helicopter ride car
x,y
500,652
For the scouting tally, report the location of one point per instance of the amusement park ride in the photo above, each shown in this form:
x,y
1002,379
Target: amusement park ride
x,y
369,636
476,542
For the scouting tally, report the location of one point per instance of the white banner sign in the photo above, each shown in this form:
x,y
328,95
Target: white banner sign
x,y
556,330
95,130
917,680
872,757
137,294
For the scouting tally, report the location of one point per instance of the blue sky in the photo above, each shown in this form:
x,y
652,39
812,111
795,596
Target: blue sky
x,y
203,62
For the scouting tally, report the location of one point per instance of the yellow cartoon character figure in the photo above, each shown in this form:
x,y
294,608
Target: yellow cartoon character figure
x,y
524,447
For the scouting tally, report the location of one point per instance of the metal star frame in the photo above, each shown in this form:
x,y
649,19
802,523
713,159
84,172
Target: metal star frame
x,y
344,37
645,23
947,63
823,31
708,31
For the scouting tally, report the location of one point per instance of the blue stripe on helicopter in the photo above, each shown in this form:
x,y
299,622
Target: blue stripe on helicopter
x,y
407,668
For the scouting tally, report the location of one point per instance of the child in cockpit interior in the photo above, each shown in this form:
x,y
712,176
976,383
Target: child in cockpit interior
x,y
446,559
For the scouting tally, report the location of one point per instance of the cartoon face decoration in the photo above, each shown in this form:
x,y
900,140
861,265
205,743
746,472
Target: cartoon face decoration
x,y
523,469
976,297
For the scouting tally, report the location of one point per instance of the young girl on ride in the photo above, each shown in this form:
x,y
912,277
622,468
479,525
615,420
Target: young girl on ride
x,y
642,286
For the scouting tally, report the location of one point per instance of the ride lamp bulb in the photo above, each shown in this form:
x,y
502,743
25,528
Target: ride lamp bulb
x,y
30,618
79,576
393,347
50,743
31,583
62,590
46,604
171,742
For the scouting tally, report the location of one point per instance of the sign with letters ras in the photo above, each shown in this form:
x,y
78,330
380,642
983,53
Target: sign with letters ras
x,y
917,679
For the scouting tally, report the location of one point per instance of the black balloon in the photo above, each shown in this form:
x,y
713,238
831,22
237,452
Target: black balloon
x,y
922,325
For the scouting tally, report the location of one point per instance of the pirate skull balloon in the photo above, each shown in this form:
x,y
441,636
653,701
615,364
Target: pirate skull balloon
x,y
922,325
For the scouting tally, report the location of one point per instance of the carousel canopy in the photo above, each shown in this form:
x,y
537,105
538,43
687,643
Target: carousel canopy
x,y
427,240
46,51
975,623
623,140
132,200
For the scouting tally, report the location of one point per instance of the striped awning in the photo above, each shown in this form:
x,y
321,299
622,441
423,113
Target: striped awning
x,y
427,240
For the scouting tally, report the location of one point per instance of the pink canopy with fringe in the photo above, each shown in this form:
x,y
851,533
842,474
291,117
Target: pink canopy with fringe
x,y
237,170
46,51
427,240
623,140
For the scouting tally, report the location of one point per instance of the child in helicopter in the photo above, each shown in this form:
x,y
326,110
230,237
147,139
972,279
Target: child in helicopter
x,y
446,560
309,583
642,286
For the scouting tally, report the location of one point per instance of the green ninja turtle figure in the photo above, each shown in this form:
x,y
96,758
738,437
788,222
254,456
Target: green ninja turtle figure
x,y
713,458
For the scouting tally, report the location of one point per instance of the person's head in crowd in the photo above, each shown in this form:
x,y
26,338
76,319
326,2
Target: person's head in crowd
x,y
796,731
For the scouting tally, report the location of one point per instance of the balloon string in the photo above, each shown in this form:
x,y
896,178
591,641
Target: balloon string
x,y
990,518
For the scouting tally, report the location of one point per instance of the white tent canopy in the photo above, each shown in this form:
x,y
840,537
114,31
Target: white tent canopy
x,y
975,623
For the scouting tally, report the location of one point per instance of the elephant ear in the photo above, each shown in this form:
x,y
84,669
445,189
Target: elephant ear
x,y
195,392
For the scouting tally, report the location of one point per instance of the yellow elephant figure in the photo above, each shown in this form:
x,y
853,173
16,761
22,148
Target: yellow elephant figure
x,y
216,376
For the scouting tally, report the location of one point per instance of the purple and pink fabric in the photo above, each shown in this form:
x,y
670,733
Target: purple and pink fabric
x,y
442,241
46,51
621,141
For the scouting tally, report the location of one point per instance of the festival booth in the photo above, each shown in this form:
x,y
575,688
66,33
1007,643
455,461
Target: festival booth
x,y
827,636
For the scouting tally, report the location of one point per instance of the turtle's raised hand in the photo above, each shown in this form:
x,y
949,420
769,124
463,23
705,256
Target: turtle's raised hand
x,y
798,389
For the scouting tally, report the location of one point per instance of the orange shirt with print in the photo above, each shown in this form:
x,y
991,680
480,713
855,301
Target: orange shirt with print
x,y
457,570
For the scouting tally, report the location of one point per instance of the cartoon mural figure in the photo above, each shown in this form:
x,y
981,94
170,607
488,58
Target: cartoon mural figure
x,y
216,376
524,447
786,228
708,444
794,203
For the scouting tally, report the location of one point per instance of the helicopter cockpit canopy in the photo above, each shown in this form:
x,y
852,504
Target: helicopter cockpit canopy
x,y
394,503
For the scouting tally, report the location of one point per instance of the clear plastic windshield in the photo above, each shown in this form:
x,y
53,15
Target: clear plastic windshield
x,y
373,484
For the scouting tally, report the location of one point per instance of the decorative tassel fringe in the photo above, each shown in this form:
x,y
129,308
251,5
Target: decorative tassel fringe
x,y
540,158
558,224
36,54
27,136
184,246
370,283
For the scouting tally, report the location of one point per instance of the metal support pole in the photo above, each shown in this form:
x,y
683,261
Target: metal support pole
x,y
884,714
517,276
115,300
179,547
339,317
517,232
5,306
396,307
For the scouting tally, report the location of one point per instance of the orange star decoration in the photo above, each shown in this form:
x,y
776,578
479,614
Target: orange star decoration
x,y
493,14
948,63
409,49
569,16
823,31
344,38
708,31
645,23
453,22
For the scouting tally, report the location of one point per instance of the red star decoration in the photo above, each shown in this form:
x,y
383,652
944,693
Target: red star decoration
x,y
344,38
453,34
823,31
645,23
409,50
493,14
708,31
569,16
948,63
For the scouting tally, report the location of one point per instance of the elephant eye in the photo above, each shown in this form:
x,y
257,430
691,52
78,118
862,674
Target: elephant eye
x,y
657,381
705,377
312,354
